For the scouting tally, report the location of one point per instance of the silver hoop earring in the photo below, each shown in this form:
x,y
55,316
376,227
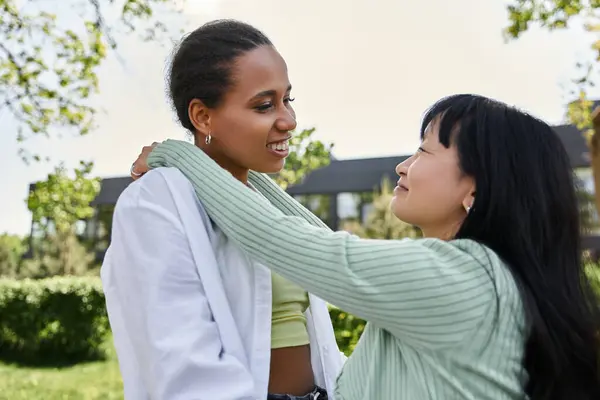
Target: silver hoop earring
x,y
207,139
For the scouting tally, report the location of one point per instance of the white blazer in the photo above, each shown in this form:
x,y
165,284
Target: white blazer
x,y
190,313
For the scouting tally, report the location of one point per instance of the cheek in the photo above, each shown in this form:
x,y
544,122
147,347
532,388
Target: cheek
x,y
244,139
431,191
244,131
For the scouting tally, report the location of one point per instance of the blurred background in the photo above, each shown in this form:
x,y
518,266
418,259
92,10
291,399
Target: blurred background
x,y
82,89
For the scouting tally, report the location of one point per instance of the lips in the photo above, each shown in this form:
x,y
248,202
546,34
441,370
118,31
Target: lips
x,y
279,146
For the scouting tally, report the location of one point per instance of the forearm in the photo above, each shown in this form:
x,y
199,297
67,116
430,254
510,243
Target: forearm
x,y
382,281
283,201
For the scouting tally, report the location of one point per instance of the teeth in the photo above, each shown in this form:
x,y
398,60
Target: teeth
x,y
281,146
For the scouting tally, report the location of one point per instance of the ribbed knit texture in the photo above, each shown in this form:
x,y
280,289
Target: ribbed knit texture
x,y
445,319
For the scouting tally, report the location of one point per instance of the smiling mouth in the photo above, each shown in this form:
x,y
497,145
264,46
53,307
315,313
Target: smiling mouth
x,y
401,186
281,146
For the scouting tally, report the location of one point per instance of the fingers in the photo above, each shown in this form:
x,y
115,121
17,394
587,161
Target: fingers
x,y
140,166
133,173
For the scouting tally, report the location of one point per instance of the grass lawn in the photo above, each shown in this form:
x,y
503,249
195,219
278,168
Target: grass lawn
x,y
87,381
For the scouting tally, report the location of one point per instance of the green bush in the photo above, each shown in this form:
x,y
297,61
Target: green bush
x,y
55,321
592,271
12,248
56,255
62,320
347,328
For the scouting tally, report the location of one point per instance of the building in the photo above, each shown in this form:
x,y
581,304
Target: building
x,y
337,193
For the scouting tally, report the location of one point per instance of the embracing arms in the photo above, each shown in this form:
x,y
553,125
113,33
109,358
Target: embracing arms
x,y
427,291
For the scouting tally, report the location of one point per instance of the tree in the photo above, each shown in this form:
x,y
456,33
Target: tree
x,y
305,155
557,14
12,248
57,205
48,70
381,223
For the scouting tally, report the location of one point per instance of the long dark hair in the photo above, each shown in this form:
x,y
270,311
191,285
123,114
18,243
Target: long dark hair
x,y
526,210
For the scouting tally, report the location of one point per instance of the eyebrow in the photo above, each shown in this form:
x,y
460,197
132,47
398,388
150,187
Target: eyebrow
x,y
267,93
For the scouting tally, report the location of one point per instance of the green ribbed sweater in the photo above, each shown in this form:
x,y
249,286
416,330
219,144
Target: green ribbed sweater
x,y
445,319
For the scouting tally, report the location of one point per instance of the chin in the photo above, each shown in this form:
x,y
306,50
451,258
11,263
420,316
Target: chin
x,y
399,209
270,168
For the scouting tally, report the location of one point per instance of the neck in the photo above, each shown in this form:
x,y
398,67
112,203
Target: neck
x,y
442,232
238,172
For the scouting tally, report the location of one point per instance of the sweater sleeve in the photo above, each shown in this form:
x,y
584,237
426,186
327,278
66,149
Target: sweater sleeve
x,y
283,201
427,291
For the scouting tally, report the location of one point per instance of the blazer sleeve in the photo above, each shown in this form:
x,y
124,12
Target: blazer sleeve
x,y
164,332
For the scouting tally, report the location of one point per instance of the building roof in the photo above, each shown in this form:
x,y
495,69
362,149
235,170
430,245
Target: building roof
x,y
111,189
364,175
359,175
575,144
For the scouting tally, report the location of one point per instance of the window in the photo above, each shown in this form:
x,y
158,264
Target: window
x,y
584,179
318,204
353,209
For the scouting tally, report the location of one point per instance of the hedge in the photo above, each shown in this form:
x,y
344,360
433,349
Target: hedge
x,y
347,328
62,320
55,321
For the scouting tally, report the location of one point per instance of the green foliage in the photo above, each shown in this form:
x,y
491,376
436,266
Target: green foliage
x,y
592,272
305,155
587,208
347,328
557,14
12,248
381,223
63,320
56,320
57,255
57,204
551,14
60,201
48,70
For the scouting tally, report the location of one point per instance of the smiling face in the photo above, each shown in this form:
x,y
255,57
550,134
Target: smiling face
x,y
250,128
433,193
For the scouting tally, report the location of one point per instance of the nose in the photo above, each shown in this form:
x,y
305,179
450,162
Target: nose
x,y
402,168
286,121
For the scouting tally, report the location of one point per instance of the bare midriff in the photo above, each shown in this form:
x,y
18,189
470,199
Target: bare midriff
x,y
291,371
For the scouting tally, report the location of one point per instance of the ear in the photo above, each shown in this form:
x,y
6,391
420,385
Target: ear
x,y
199,116
469,199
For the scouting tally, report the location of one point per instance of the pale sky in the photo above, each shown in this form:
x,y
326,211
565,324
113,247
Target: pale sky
x,y
363,72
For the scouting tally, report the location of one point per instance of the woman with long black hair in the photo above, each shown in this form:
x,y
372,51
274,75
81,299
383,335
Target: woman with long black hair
x,y
491,304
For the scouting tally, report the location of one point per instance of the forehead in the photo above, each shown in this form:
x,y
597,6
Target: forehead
x,y
432,130
258,70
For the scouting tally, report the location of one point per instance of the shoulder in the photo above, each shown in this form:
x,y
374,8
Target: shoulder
x,y
461,250
162,192
466,257
477,258
158,185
